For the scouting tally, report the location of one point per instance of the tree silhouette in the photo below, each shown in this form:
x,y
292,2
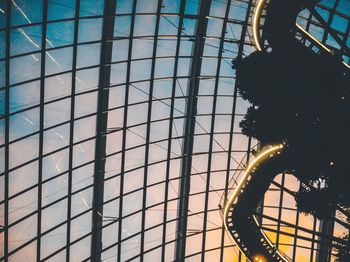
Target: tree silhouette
x,y
304,100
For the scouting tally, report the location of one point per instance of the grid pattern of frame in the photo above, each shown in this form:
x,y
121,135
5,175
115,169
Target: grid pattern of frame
x,y
119,126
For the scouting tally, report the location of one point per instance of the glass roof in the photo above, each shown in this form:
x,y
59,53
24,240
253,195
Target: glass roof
x,y
119,129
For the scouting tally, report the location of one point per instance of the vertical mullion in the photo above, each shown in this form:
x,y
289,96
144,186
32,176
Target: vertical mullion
x,y
7,128
171,123
101,128
212,128
71,131
280,210
235,93
41,125
149,116
189,128
295,236
125,122
313,240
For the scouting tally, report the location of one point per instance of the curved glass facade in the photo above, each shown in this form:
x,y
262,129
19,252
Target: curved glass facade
x,y
120,132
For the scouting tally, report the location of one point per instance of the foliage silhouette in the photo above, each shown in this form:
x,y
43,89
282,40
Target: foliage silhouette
x,y
306,102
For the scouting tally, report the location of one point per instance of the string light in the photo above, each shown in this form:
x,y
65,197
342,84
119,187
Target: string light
x,y
257,38
259,259
261,157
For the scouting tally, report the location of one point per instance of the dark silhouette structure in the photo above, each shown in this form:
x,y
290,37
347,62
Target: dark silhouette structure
x,y
303,98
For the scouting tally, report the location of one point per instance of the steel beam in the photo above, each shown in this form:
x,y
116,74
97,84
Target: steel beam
x,y
41,126
7,133
101,128
71,130
235,95
172,124
324,246
189,128
212,130
148,133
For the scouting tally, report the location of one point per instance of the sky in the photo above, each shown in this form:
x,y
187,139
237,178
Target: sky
x,y
154,104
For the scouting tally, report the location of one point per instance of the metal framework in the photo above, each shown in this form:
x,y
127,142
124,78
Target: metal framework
x,y
189,127
101,128
119,130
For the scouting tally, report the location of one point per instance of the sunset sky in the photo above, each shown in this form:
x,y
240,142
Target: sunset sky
x,y
51,145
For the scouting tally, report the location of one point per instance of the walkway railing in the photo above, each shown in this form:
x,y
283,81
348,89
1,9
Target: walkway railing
x,y
230,199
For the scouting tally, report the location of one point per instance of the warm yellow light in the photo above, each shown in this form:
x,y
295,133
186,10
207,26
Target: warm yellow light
x,y
313,38
256,24
259,259
348,66
256,31
264,154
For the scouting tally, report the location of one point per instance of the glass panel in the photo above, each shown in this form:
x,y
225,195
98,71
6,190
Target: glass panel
x,y
25,40
23,124
26,12
19,207
23,178
3,13
24,96
53,241
90,30
59,34
91,8
59,60
62,9
88,55
24,150
24,68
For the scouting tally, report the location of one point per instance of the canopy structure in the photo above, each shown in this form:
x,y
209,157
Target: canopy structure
x,y
119,130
